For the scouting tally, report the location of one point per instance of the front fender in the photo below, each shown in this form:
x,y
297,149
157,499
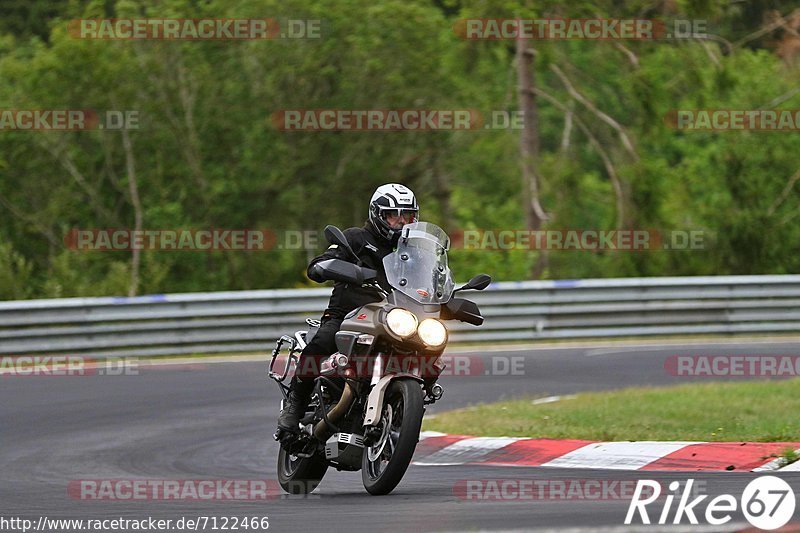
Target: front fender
x,y
375,399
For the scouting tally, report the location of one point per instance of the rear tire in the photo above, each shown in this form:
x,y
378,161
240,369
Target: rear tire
x,y
299,475
384,463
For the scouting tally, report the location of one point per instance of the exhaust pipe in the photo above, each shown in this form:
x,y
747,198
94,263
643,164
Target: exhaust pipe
x,y
322,431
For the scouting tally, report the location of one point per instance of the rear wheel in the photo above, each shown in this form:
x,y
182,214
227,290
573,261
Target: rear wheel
x,y
299,475
385,462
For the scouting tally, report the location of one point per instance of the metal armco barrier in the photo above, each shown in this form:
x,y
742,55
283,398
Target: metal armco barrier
x,y
520,311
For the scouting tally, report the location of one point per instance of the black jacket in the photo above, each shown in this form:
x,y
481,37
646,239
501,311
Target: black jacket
x,y
371,249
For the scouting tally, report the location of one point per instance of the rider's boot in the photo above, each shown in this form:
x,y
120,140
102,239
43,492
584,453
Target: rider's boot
x,y
299,396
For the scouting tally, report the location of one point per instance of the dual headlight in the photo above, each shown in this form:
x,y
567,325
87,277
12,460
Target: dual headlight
x,y
404,323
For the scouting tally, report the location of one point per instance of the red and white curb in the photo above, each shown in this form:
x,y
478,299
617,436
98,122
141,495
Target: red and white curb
x,y
439,449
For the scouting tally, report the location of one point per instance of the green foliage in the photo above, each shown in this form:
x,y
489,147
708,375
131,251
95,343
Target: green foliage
x,y
207,154
758,411
15,274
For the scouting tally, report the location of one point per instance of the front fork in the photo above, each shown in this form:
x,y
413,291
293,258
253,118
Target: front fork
x,y
373,411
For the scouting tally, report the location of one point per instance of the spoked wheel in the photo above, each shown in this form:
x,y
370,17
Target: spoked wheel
x,y
299,475
385,462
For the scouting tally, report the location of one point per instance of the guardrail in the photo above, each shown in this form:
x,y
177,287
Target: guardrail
x,y
521,311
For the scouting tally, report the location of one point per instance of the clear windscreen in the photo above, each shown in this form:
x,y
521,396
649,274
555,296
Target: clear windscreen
x,y
418,268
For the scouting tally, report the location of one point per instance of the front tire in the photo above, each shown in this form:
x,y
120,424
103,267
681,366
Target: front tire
x,y
385,462
299,475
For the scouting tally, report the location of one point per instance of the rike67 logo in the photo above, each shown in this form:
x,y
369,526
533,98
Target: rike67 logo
x,y
767,503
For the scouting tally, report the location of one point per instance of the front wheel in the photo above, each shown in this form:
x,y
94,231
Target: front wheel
x,y
385,462
299,475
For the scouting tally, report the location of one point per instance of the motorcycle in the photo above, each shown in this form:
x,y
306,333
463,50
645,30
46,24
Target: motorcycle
x,y
368,402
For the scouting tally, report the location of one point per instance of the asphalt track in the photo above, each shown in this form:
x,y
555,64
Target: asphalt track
x,y
215,421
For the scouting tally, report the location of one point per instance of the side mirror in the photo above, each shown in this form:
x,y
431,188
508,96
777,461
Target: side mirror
x,y
335,236
478,283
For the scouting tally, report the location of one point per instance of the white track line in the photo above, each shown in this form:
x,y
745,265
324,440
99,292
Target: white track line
x,y
466,451
617,455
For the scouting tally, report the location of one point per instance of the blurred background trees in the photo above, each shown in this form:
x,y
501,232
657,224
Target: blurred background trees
x,y
208,156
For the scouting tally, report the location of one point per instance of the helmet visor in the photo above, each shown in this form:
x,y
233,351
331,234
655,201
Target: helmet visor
x,y
408,215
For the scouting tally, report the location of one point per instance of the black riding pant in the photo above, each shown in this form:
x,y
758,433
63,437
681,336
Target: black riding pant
x,y
321,346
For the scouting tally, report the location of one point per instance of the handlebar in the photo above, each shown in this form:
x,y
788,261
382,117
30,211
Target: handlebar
x,y
374,285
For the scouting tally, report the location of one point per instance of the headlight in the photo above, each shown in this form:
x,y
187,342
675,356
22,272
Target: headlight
x,y
401,322
432,332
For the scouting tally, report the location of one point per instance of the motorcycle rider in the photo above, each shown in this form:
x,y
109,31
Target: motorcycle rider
x,y
390,208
